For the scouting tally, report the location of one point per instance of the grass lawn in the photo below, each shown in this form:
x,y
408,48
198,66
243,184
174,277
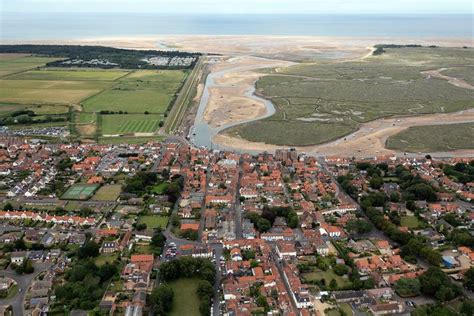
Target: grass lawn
x,y
108,193
160,188
185,301
142,249
103,259
13,63
346,308
409,221
154,221
130,123
12,292
433,138
327,276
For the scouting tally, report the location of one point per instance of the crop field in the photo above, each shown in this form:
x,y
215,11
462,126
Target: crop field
x,y
142,91
48,91
26,84
129,123
434,138
80,192
14,63
317,103
69,74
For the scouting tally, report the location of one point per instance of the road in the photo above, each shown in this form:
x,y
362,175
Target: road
x,y
23,281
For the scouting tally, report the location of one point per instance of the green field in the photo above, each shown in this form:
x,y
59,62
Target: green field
x,y
105,258
327,276
409,221
154,221
108,193
465,73
433,138
26,84
69,74
160,188
185,301
129,123
141,91
80,192
316,103
14,63
48,91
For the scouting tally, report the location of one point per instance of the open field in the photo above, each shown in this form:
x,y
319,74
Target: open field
x,y
330,100
48,91
139,92
105,258
409,221
80,192
465,73
434,138
154,221
68,74
327,276
14,63
108,193
130,123
185,301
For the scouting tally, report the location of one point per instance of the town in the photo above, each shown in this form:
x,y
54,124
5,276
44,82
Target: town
x,y
168,228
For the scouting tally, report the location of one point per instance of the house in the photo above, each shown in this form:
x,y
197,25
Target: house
x,y
18,257
285,250
109,247
386,308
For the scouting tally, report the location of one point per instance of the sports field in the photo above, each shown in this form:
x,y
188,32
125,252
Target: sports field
x,y
434,138
130,123
316,103
80,192
108,193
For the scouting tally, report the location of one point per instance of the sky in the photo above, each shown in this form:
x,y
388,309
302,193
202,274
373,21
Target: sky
x,y
243,6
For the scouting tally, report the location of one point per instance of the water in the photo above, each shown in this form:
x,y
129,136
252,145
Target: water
x,y
38,26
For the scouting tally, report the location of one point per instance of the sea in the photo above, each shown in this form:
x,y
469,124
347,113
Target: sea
x,y
59,26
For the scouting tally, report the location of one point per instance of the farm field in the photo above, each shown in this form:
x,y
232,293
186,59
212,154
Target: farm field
x,y
26,84
80,192
14,63
108,193
154,221
69,74
112,124
317,103
139,92
48,91
185,301
434,138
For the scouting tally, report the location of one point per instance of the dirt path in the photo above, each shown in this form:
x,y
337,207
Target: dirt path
x,y
452,80
368,141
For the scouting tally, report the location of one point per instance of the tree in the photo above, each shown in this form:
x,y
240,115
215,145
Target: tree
x,y
8,207
359,226
333,284
205,290
376,182
162,299
341,269
408,287
90,249
468,280
436,283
